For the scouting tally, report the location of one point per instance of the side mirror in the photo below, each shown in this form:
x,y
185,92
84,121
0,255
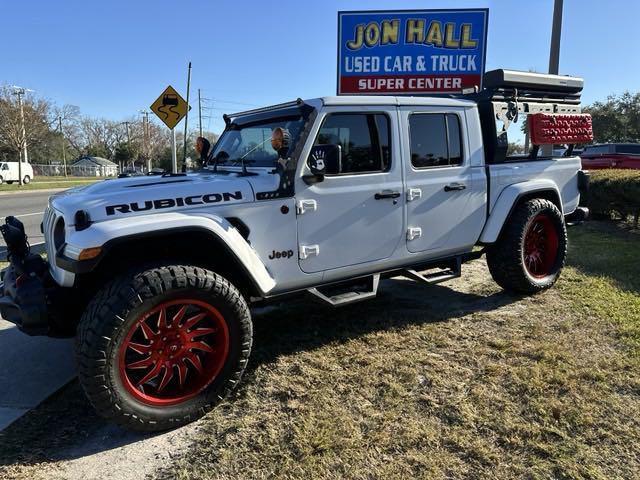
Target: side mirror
x,y
323,160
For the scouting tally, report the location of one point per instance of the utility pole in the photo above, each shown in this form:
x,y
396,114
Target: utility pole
x,y
64,150
19,92
554,52
126,124
199,112
145,133
186,122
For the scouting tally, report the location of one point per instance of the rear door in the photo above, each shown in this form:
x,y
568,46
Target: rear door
x,y
446,195
355,215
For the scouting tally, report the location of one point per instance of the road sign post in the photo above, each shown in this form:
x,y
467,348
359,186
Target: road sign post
x,y
170,107
174,155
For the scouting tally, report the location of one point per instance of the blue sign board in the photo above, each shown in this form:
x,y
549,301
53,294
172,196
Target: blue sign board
x,y
411,51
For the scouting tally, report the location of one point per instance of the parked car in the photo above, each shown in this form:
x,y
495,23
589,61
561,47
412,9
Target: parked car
x,y
611,155
9,172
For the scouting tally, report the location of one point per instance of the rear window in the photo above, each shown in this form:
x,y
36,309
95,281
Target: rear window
x,y
628,149
597,149
435,140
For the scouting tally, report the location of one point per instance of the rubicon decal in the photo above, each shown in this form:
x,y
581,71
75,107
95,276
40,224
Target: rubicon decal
x,y
173,202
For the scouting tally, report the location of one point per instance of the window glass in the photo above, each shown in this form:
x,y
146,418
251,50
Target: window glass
x,y
428,134
363,138
598,149
628,149
455,140
252,142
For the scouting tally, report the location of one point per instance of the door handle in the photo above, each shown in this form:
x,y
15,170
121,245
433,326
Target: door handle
x,y
386,194
454,187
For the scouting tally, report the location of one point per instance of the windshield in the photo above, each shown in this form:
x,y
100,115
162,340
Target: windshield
x,y
252,142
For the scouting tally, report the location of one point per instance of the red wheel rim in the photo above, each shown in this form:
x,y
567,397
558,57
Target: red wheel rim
x,y
540,246
173,352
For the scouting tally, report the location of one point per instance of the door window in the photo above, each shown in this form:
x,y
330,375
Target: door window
x,y
364,140
435,140
628,149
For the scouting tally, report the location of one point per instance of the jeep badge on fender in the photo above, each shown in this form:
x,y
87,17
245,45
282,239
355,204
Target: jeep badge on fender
x,y
282,254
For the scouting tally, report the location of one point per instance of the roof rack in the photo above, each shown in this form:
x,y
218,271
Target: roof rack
x,y
508,93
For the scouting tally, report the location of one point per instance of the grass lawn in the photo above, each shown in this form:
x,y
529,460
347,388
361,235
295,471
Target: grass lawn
x,y
42,183
456,381
449,381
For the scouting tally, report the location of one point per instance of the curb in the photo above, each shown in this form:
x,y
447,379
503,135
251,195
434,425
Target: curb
x,y
35,248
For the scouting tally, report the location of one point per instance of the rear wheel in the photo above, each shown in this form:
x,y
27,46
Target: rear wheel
x,y
531,250
159,348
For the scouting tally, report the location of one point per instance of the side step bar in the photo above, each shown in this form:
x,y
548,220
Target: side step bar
x,y
346,298
437,276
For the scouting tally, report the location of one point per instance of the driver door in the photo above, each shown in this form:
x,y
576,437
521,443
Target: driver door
x,y
355,215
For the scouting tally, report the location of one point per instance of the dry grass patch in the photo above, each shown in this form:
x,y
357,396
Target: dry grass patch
x,y
431,382
453,381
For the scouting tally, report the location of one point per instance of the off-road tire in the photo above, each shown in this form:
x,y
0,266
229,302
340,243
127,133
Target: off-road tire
x,y
506,257
117,309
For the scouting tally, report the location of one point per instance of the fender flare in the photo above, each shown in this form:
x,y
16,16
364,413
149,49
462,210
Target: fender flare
x,y
109,233
508,199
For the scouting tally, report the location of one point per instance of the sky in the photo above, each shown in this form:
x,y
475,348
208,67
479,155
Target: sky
x,y
113,58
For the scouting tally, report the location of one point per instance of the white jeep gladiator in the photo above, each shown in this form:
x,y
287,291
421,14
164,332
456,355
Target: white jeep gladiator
x,y
155,275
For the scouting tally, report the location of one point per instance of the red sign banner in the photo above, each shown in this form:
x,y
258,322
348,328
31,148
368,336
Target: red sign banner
x,y
408,83
548,129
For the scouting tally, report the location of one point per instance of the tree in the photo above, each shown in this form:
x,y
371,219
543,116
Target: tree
x,y
36,122
617,119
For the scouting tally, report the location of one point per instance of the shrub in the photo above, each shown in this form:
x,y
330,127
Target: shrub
x,y
614,193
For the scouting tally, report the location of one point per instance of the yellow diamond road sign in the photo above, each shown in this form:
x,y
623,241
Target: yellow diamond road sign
x,y
170,107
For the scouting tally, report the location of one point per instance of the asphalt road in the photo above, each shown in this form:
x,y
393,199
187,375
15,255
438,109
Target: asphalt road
x,y
29,208
31,368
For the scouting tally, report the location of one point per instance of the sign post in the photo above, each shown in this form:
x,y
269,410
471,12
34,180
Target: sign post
x,y
170,107
174,156
411,52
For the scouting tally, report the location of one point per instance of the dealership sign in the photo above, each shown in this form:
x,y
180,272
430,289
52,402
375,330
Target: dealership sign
x,y
411,52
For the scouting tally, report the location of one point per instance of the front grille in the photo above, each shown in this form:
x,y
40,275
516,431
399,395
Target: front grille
x,y
49,223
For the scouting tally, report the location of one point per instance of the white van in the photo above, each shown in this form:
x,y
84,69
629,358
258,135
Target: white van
x,y
9,172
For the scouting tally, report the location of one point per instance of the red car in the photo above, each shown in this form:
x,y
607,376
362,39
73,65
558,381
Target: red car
x,y
611,155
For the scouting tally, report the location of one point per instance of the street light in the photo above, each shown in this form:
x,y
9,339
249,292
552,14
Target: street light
x,y
19,92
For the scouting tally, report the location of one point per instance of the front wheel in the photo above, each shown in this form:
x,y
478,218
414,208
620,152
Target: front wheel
x,y
26,180
158,349
531,250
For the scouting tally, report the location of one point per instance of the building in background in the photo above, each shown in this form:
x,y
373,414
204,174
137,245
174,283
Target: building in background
x,y
94,167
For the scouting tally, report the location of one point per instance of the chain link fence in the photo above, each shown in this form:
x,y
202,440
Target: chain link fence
x,y
40,170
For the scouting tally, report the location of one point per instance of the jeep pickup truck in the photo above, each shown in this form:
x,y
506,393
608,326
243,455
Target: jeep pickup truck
x,y
155,275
